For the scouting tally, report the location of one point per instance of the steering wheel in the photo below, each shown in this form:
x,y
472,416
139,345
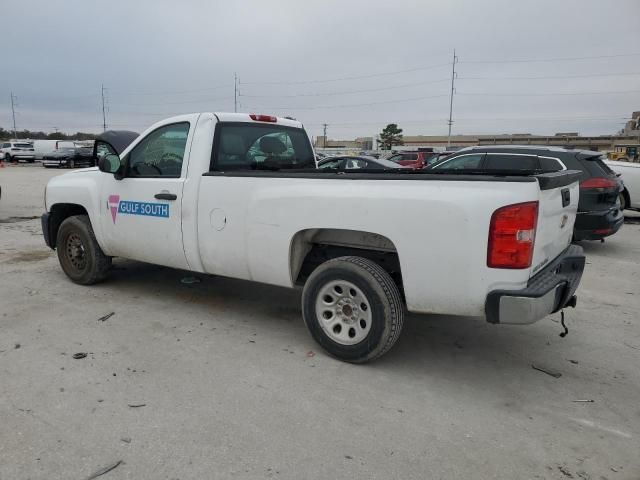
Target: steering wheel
x,y
170,156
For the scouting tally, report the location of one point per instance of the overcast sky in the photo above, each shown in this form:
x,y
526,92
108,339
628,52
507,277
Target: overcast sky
x,y
355,65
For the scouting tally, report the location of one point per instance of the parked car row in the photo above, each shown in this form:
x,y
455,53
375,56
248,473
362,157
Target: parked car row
x,y
10,151
70,157
603,195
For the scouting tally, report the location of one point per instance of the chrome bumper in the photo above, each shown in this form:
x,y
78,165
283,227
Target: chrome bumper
x,y
547,292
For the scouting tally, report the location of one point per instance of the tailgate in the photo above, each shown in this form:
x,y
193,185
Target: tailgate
x,y
558,205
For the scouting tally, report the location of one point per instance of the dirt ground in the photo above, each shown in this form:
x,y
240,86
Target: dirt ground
x,y
220,379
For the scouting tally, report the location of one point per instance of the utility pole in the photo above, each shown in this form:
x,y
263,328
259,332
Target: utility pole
x,y
13,112
453,78
104,113
235,92
324,137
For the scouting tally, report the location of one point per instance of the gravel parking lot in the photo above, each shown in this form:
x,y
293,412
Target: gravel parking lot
x,y
220,379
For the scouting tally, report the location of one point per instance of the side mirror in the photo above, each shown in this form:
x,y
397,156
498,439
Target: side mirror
x,y
109,163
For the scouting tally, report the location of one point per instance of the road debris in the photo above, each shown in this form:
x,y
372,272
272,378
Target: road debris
x,y
79,355
548,371
17,346
137,405
575,362
104,470
126,439
565,471
311,353
190,280
106,317
583,401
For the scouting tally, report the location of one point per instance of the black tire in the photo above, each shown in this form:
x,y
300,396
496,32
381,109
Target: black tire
x,y
71,163
623,201
7,157
382,294
79,254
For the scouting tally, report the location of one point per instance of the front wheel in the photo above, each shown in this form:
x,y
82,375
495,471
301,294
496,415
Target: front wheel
x,y
353,309
71,163
79,254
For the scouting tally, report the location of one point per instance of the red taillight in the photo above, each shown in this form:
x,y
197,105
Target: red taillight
x,y
511,236
598,183
263,118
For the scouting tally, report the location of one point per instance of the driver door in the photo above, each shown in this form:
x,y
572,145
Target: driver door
x,y
141,213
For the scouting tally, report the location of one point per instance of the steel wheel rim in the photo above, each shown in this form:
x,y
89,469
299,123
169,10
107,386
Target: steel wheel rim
x,y
75,251
343,312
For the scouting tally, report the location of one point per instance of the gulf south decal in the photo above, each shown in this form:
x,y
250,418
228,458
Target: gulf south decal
x,y
127,207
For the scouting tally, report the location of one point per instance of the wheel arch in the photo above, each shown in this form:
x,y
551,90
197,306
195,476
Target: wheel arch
x,y
59,212
311,247
627,197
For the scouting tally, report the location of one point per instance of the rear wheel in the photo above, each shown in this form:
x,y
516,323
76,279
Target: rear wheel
x,y
71,163
353,309
7,157
80,256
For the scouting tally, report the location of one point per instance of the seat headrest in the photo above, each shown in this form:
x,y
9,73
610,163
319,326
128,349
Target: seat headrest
x,y
272,145
233,144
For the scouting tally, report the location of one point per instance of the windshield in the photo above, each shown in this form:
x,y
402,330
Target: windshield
x,y
247,146
23,145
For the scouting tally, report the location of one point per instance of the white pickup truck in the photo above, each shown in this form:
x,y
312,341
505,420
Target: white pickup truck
x,y
239,195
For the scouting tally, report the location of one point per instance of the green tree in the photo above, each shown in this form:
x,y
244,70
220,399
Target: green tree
x,y
391,135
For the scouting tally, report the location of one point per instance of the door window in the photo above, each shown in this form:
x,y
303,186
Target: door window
x,y
506,161
550,164
160,153
355,163
335,163
463,162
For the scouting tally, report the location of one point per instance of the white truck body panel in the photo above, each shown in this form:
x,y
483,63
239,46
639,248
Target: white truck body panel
x,y
244,227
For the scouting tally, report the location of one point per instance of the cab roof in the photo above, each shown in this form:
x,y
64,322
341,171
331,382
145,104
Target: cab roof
x,y
246,118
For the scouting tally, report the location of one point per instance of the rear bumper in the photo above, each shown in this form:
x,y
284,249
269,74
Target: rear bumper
x,y
547,292
598,225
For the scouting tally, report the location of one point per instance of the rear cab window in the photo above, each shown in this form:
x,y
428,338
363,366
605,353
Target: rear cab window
x,y
250,146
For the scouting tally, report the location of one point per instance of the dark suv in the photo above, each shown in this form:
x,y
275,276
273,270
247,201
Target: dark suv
x,y
599,213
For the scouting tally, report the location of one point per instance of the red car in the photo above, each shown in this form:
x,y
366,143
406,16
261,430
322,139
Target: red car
x,y
415,160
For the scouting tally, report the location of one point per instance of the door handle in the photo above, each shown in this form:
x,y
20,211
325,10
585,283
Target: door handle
x,y
166,196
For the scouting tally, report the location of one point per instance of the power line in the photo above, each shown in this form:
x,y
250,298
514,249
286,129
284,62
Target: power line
x,y
357,77
184,102
182,92
558,59
356,104
546,94
348,92
551,76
